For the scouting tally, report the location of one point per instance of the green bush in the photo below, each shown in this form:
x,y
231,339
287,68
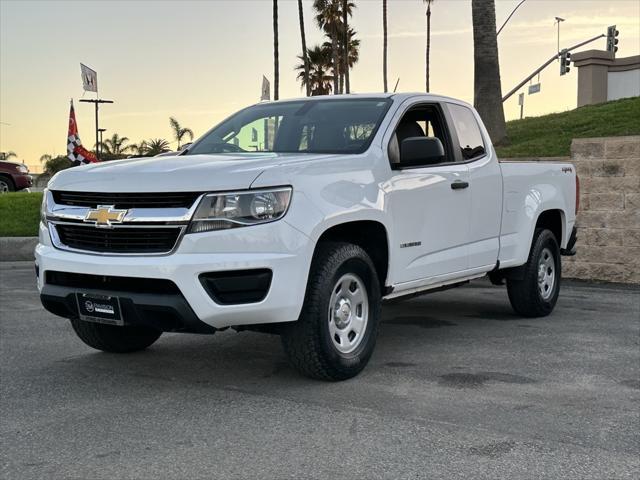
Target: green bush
x,y
55,164
20,214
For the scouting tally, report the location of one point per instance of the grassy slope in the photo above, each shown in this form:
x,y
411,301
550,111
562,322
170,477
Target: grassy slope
x,y
551,135
19,214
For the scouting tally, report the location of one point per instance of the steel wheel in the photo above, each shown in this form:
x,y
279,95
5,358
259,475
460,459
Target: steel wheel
x,y
4,186
348,313
546,274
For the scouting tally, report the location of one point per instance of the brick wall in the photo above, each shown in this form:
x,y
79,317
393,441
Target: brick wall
x,y
609,215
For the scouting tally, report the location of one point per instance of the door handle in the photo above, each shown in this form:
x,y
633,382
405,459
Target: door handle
x,y
459,185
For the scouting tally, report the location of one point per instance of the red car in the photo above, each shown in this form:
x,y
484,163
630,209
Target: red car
x,y
14,177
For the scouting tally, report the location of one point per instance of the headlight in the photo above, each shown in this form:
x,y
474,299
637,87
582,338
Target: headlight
x,y
22,169
219,211
43,207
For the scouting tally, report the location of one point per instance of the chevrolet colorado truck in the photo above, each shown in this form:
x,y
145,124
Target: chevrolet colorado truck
x,y
300,218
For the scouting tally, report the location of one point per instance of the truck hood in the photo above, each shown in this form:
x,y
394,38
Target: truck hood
x,y
177,173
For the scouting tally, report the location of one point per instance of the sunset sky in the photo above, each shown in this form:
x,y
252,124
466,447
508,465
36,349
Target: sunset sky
x,y
202,60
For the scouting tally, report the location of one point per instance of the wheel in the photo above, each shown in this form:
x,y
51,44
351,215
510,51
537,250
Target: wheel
x,y
535,295
6,185
336,333
114,339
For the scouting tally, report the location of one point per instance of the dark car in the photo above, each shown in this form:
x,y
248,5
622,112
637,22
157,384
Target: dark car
x,y
14,177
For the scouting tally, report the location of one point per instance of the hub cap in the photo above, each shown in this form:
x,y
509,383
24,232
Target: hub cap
x,y
4,188
348,313
546,274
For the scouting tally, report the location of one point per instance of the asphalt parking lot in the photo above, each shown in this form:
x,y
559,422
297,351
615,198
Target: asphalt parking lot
x,y
459,387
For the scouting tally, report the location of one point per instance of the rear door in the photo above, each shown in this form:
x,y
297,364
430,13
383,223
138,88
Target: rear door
x,y
485,186
429,204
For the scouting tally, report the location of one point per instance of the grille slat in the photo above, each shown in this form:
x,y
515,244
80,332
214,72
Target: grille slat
x,y
118,240
126,200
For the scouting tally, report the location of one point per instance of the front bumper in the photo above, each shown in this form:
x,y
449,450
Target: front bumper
x,y
277,247
22,181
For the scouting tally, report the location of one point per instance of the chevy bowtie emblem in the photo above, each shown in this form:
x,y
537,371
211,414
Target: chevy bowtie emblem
x,y
105,216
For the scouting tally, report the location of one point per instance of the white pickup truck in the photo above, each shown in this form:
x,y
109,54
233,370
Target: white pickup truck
x,y
299,218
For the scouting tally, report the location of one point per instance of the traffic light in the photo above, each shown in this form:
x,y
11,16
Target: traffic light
x,y
612,39
565,61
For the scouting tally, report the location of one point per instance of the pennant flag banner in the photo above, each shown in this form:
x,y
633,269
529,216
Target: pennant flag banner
x,y
76,152
89,79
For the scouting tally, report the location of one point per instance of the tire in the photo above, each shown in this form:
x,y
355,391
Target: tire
x,y
6,185
114,339
535,295
330,341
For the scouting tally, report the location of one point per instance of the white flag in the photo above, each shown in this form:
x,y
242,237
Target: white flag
x,y
266,89
89,79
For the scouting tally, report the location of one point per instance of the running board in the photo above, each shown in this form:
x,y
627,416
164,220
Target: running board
x,y
435,287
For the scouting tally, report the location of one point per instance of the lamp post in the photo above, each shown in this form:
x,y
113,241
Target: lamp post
x,y
559,21
96,102
99,145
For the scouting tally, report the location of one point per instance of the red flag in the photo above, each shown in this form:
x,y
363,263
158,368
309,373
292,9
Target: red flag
x,y
77,153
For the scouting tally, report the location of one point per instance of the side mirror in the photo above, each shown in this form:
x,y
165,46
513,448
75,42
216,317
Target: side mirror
x,y
418,151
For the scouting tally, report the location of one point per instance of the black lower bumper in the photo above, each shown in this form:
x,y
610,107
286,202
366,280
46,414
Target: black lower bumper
x,y
571,244
166,312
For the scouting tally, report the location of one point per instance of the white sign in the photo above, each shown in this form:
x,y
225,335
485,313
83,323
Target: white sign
x,y
89,78
266,89
521,99
535,88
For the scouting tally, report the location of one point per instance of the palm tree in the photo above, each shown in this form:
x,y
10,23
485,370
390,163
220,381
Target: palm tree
x,y
384,45
45,158
276,59
179,131
8,155
345,44
320,80
329,18
428,50
115,145
487,88
138,149
354,53
156,146
304,48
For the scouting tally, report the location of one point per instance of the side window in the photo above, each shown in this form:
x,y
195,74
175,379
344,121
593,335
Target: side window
x,y
468,130
419,121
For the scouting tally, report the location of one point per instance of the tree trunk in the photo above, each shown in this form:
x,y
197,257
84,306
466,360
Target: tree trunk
x,y
305,55
345,23
276,60
384,47
336,62
487,88
428,43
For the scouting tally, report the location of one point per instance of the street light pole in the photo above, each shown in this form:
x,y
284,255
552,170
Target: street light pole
x,y
558,21
509,17
96,102
99,145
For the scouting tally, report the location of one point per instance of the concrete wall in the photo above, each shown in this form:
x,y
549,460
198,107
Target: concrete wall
x,y
609,215
623,84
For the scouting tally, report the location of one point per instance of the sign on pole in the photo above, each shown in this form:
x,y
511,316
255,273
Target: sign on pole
x,y
266,89
89,78
521,99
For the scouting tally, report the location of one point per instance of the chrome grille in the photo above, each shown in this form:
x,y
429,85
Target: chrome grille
x,y
126,200
120,240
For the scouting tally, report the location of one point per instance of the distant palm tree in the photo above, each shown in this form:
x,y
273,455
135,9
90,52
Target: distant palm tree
x,y
345,44
428,50
45,158
115,145
8,155
329,18
276,59
320,79
384,45
156,146
179,131
487,88
354,53
305,57
138,149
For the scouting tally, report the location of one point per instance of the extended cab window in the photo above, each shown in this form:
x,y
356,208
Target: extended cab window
x,y
468,130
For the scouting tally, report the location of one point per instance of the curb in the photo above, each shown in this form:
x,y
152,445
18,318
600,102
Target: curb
x,y
14,249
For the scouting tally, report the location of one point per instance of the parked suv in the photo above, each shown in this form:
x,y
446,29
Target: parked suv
x,y
298,218
14,177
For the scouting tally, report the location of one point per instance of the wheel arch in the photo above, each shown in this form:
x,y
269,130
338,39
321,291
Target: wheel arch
x,y
370,235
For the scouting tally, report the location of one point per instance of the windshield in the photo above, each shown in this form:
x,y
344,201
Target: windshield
x,y
305,126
